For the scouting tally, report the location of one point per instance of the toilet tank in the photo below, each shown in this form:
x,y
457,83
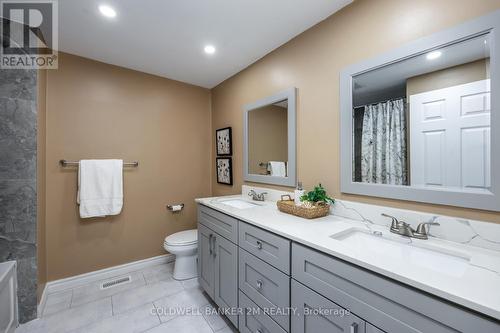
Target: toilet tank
x,y
8,297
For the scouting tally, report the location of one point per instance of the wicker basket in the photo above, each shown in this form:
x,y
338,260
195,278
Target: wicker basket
x,y
288,206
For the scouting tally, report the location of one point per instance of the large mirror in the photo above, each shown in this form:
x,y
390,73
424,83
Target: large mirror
x,y
421,127
269,140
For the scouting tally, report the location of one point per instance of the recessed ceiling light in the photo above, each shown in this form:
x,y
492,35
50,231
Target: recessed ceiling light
x,y
434,55
209,49
107,11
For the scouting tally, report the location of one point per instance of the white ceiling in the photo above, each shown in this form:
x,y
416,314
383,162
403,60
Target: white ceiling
x,y
167,37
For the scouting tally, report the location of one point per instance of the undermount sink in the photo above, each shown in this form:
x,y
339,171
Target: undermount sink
x,y
405,251
238,203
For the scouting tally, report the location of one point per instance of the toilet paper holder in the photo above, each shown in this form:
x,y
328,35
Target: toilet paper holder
x,y
175,208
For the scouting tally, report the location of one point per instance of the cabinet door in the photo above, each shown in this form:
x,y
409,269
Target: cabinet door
x,y
318,314
206,259
226,277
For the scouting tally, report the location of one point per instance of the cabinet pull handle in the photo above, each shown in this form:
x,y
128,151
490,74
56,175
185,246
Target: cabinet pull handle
x,y
259,284
210,243
215,246
259,245
354,328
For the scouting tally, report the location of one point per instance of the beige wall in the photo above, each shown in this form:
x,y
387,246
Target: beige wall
x,y
95,110
449,77
312,62
267,137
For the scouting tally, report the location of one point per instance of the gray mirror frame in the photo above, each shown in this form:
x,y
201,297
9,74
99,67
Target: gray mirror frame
x,y
487,201
291,96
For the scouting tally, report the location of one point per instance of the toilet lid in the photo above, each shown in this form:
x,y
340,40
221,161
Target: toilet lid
x,y
187,237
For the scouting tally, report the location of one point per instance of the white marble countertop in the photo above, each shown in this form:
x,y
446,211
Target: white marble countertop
x,y
476,285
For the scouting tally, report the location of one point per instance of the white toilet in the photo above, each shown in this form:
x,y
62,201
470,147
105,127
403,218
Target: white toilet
x,y
184,245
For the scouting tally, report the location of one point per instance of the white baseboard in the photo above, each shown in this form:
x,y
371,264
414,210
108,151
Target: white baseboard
x,y
102,274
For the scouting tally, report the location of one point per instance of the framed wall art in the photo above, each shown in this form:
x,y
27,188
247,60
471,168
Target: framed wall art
x,y
224,170
224,142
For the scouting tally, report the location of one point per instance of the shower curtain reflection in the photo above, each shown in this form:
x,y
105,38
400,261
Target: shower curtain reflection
x,y
383,143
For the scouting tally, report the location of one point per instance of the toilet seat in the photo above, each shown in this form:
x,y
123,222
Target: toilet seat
x,y
182,238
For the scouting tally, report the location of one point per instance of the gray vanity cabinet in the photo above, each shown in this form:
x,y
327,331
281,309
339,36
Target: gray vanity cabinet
x,y
316,313
243,267
218,259
385,303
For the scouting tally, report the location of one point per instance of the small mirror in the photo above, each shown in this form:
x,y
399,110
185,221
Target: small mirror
x,y
270,140
267,140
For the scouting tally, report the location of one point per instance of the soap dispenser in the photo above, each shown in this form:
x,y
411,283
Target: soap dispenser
x,y
299,191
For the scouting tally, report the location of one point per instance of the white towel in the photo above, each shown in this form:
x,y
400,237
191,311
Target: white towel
x,y
278,169
100,187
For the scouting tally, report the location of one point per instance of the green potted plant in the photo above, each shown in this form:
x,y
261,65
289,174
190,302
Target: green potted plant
x,y
317,196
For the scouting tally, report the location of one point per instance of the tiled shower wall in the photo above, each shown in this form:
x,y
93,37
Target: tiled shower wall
x,y
18,126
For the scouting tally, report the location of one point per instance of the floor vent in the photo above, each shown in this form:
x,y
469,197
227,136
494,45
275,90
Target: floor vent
x,y
115,282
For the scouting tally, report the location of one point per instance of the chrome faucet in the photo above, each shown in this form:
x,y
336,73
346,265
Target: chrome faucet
x,y
256,196
405,229
422,232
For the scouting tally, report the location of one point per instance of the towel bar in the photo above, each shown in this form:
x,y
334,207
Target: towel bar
x,y
65,163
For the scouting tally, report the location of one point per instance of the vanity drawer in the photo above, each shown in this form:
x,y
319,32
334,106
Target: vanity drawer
x,y
314,313
387,304
273,249
253,319
265,285
224,225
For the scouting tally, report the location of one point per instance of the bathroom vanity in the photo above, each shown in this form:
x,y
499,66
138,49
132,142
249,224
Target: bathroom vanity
x,y
287,274
347,272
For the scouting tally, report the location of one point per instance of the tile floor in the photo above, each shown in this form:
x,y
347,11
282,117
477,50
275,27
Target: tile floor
x,y
152,302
